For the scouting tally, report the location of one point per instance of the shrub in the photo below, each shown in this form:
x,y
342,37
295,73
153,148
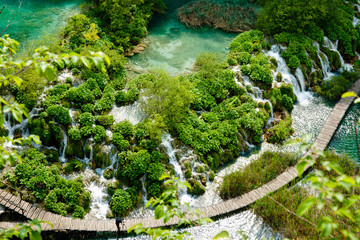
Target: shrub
x,y
105,103
60,114
244,57
99,133
155,171
125,128
80,95
120,142
294,62
121,203
87,108
86,131
79,212
133,164
281,131
86,119
104,120
74,134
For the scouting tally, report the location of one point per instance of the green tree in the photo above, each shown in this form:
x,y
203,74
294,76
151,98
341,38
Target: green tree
x,y
166,96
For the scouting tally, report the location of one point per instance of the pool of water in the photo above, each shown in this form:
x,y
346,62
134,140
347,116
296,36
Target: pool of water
x,y
36,18
174,47
344,140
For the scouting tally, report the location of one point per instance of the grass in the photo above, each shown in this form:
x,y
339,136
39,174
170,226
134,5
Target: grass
x,y
226,16
262,170
288,224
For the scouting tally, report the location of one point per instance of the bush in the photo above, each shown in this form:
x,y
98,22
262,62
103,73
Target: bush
x,y
86,131
99,133
88,108
79,212
80,95
244,57
155,171
104,120
86,119
125,128
60,114
281,131
120,142
132,165
74,134
120,203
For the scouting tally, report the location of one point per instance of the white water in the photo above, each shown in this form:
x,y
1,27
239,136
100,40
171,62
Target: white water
x,y
324,60
334,47
299,88
99,205
166,142
131,112
63,146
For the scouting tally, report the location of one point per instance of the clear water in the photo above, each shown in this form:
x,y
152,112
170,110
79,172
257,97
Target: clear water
x,y
174,47
344,140
36,17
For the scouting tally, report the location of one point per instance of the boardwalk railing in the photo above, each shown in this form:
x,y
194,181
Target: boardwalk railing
x,y
69,224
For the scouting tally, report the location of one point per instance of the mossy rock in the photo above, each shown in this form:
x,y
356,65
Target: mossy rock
x,y
108,173
211,176
52,156
101,156
279,77
188,173
196,187
200,169
74,149
113,186
87,150
201,178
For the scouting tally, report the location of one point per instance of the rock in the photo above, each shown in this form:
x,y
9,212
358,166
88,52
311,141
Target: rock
x,y
74,149
108,173
52,155
196,187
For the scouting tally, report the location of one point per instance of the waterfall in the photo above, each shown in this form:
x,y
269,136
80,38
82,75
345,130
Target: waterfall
x,y
143,189
99,204
301,79
298,84
324,60
334,47
131,112
256,93
166,142
63,146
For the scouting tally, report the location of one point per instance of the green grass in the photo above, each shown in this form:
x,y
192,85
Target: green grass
x,y
262,170
291,226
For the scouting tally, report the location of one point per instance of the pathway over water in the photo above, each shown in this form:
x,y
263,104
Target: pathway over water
x,y
61,223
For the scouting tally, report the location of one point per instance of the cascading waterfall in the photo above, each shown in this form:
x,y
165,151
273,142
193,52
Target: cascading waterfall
x,y
334,47
63,146
256,93
298,84
324,60
99,205
143,189
166,142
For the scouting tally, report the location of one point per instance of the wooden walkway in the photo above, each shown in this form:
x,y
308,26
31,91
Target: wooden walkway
x,y
68,224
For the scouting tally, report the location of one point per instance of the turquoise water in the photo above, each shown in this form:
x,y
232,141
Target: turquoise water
x,y
36,18
174,47
344,139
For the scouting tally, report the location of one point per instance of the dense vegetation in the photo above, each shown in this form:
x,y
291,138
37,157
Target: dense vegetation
x,y
292,226
260,171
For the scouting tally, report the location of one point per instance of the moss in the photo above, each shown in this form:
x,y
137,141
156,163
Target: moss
x,y
74,149
108,173
200,169
101,156
52,155
188,173
196,187
73,165
211,176
112,187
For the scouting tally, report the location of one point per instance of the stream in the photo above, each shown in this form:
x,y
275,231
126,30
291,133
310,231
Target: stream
x,y
174,47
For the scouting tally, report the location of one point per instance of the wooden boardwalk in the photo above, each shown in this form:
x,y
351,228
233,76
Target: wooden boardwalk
x,y
68,224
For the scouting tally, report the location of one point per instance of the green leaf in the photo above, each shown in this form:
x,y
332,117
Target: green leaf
x,y
159,213
357,100
23,233
339,197
49,73
300,167
348,94
222,235
34,235
306,205
86,62
17,80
